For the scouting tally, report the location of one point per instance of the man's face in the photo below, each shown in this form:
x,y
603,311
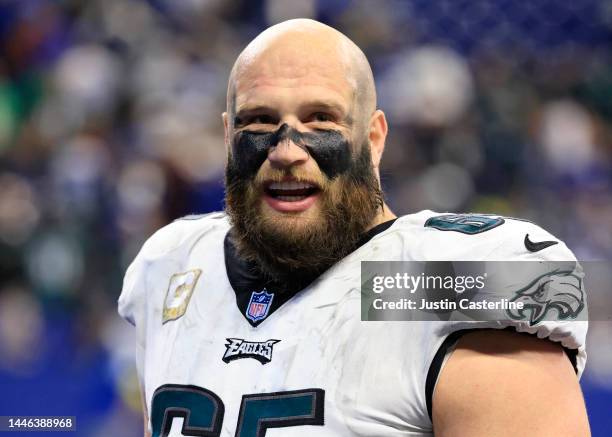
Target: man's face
x,y
299,170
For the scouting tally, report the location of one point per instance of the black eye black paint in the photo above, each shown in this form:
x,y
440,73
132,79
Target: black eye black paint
x,y
328,148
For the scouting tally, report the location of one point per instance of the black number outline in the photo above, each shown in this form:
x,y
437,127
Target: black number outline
x,y
317,417
171,412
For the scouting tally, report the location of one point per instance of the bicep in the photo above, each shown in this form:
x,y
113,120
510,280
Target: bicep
x,y
500,383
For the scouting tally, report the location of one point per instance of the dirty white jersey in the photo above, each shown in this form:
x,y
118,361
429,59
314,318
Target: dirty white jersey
x,y
208,366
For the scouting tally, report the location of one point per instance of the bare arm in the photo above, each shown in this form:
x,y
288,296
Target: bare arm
x,y
506,384
146,424
145,414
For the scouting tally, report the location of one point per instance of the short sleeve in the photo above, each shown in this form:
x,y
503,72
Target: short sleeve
x,y
131,300
547,278
131,307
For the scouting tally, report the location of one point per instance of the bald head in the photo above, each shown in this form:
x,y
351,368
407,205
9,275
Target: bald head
x,y
301,49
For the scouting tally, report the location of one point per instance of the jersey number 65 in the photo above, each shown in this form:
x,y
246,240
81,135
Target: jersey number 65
x,y
202,411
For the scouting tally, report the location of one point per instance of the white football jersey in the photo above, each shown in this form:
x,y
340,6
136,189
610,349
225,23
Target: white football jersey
x,y
311,366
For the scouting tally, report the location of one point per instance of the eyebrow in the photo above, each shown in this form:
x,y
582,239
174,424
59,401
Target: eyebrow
x,y
331,106
257,109
326,104
314,105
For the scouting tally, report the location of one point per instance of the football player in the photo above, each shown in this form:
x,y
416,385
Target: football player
x,y
248,321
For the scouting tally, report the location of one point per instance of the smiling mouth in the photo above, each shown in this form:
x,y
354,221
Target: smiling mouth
x,y
291,191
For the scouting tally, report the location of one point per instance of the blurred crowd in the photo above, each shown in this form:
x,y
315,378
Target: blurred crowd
x,y
110,127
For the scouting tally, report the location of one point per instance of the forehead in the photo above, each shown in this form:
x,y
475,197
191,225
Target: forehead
x,y
284,76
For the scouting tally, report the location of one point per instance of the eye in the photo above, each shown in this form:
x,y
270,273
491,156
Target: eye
x,y
262,119
321,117
242,121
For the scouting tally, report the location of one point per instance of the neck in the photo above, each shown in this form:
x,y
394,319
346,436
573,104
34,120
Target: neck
x,y
385,214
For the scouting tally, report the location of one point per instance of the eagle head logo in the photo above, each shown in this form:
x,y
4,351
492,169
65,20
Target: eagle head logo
x,y
560,290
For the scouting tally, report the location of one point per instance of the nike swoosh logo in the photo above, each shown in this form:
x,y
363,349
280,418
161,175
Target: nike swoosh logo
x,y
536,247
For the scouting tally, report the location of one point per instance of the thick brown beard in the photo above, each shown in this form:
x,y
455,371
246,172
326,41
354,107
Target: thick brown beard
x,y
279,247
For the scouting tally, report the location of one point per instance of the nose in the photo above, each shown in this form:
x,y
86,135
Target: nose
x,y
287,154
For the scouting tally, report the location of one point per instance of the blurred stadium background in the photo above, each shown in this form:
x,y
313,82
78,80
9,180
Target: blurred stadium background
x,y
110,127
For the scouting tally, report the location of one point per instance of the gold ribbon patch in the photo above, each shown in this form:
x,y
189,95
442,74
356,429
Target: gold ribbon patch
x,y
179,293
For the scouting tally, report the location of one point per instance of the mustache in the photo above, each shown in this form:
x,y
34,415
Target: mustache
x,y
297,174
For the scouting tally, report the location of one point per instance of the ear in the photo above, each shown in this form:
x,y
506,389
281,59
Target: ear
x,y
226,130
377,134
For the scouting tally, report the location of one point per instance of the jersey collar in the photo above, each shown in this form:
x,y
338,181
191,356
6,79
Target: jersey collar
x,y
253,289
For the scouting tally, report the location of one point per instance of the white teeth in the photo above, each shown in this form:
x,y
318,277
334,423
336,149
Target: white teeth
x,y
290,198
292,185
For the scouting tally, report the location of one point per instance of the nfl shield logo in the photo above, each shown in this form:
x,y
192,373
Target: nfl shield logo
x,y
259,305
